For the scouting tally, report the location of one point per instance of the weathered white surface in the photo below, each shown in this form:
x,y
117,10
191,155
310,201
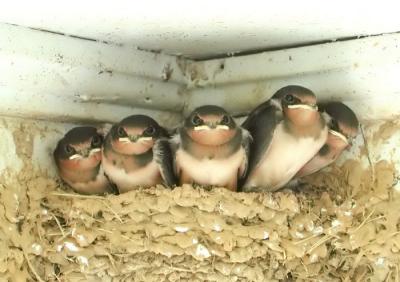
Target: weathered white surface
x,y
207,28
50,76
29,145
363,73
8,158
381,141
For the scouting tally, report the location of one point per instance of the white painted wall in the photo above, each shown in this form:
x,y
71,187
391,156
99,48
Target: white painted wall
x,y
27,147
55,77
363,73
51,76
207,28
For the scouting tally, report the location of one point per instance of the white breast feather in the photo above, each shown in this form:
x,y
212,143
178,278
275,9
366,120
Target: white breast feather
x,y
127,181
285,156
216,172
97,186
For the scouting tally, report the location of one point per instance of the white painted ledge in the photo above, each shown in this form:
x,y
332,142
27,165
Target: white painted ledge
x,y
55,77
52,76
364,73
356,53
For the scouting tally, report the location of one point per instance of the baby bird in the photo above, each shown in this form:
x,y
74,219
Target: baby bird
x,y
343,128
78,160
210,149
136,153
287,132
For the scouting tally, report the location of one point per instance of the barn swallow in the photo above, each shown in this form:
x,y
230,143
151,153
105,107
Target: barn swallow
x,y
78,160
136,153
287,132
210,149
343,128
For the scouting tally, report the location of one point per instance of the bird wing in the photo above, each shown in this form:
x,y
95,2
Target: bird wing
x,y
164,157
261,124
246,143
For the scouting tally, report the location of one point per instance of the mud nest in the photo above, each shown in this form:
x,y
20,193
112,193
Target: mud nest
x,y
341,226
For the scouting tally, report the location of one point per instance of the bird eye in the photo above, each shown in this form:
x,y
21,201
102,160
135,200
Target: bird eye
x,y
225,120
121,132
150,131
69,149
196,120
334,125
289,99
96,141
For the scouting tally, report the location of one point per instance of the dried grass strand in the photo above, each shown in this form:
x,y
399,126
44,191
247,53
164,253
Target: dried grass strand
x,y
31,266
363,223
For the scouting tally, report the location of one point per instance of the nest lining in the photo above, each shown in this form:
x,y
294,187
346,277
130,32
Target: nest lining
x,y
341,226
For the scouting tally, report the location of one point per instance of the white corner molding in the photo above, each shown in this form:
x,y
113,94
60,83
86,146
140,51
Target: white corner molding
x,y
57,77
53,76
363,73
212,28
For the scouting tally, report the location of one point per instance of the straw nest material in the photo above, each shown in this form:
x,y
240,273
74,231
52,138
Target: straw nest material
x,y
342,226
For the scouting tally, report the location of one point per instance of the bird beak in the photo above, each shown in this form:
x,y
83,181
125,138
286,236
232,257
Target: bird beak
x,y
76,156
304,107
202,127
144,139
124,139
211,126
339,135
134,139
94,150
223,127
